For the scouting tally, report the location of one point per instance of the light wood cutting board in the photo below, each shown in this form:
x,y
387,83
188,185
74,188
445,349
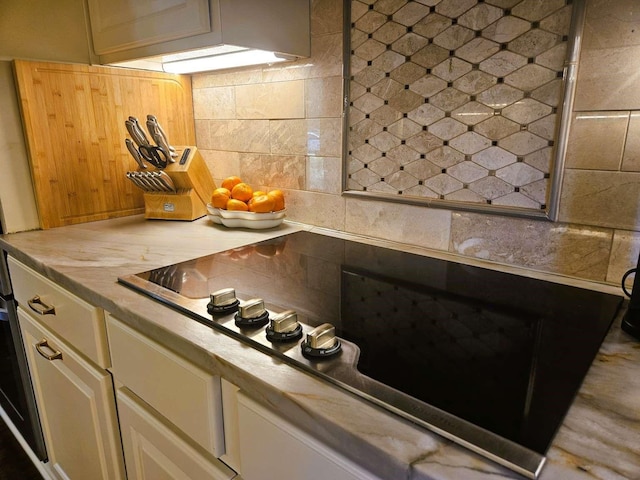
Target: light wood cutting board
x,y
73,117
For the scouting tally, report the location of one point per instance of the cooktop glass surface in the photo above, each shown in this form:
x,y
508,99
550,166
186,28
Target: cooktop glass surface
x,y
501,352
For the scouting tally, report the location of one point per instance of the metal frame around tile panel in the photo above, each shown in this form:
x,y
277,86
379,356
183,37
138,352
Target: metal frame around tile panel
x,y
557,172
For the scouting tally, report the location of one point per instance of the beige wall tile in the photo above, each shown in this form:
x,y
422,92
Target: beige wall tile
x,y
214,103
221,164
270,100
321,137
233,135
326,16
324,174
325,61
315,208
416,225
608,79
631,155
606,199
596,140
323,97
281,171
226,78
566,249
624,256
611,23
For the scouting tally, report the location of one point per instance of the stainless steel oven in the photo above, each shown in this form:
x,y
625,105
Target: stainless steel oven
x,y
16,394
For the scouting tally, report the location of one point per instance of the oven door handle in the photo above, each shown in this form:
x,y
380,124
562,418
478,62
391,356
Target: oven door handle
x,y
44,343
37,305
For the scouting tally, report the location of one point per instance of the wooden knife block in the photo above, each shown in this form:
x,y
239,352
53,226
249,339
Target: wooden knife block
x,y
194,186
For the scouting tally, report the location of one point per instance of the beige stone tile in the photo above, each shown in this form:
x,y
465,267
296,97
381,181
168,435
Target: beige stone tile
x,y
608,79
320,137
323,97
221,164
270,100
326,16
214,103
324,174
320,209
606,199
226,78
237,136
412,224
610,24
325,61
596,140
567,249
625,249
274,171
631,155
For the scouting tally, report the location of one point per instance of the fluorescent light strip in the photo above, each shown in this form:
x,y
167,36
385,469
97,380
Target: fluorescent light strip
x,y
225,60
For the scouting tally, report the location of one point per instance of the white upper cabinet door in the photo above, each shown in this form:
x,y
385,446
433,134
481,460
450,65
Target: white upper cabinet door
x,y
118,25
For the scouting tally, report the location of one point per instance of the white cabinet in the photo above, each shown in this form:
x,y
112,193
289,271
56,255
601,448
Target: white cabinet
x,y
170,410
273,449
76,404
67,353
121,24
156,451
123,30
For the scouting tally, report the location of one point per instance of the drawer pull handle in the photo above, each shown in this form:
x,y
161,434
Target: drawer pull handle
x,y
44,343
37,305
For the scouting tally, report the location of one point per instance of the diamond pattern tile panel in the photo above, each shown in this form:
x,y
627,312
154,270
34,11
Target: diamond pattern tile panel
x,y
456,99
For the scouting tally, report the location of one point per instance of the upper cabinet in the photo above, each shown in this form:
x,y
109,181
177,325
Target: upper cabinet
x,y
119,25
146,30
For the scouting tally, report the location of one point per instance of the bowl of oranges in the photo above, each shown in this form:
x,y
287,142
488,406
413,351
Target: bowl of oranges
x,y
235,204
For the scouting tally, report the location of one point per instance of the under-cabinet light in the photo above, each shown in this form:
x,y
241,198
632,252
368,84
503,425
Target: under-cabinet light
x,y
228,57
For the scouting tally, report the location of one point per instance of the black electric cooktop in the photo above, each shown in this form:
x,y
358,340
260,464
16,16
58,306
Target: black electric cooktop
x,y
488,359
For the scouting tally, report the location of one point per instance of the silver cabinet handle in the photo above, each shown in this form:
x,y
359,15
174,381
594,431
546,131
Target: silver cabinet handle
x,y
44,343
41,308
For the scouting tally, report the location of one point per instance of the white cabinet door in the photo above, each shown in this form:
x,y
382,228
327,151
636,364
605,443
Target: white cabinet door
x,y
154,451
273,449
76,405
122,24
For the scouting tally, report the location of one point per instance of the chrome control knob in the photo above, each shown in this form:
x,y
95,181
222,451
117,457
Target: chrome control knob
x,y
284,327
223,302
321,342
252,314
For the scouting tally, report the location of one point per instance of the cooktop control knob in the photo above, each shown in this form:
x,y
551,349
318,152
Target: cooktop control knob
x,y
321,342
252,314
284,327
223,302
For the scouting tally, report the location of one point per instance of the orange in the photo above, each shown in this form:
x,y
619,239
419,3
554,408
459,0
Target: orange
x,y
242,191
278,198
261,204
257,193
220,197
233,204
231,182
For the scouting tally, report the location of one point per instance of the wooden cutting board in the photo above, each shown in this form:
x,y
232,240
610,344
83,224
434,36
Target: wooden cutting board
x,y
73,118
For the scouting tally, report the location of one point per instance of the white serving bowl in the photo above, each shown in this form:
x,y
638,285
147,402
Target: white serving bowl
x,y
239,219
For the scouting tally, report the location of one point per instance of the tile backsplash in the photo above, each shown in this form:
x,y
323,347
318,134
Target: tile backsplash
x,y
281,127
456,101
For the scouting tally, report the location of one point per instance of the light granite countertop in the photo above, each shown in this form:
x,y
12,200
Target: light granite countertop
x,y
599,439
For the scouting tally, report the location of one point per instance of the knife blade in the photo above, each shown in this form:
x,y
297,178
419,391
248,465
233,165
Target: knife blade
x,y
135,153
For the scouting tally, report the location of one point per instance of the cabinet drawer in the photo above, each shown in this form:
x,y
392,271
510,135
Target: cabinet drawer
x,y
184,394
272,449
154,450
76,321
